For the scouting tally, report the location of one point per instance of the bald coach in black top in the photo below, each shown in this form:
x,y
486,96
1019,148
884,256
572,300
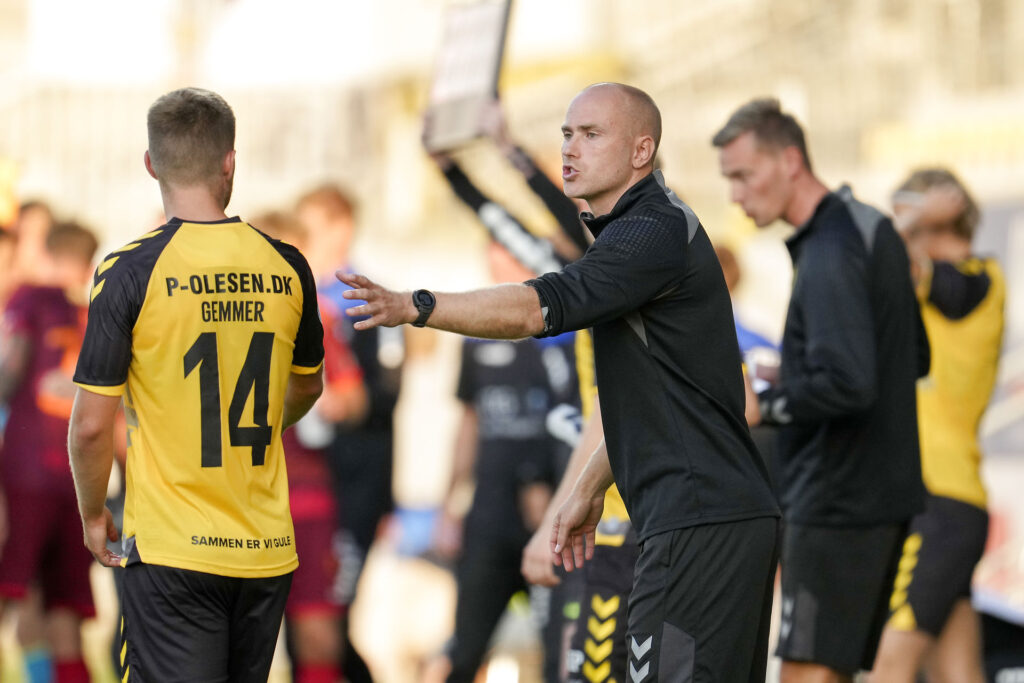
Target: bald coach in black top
x,y
672,398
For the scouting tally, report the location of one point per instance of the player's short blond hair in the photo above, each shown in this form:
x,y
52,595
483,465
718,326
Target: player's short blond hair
x,y
191,130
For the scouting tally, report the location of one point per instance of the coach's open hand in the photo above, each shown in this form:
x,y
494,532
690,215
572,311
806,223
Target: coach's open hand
x,y
97,532
575,529
383,306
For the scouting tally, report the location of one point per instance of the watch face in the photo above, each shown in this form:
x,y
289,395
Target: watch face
x,y
424,298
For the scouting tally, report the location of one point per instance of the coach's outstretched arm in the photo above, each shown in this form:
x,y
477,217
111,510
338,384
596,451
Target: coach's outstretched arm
x,y
91,451
510,311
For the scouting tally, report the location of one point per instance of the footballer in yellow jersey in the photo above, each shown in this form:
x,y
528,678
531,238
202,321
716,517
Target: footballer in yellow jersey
x,y
961,298
208,332
198,327
962,308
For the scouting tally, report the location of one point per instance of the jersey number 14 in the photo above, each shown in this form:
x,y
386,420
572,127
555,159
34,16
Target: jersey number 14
x,y
253,379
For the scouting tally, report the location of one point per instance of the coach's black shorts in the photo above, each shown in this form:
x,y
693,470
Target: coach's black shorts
x,y
944,544
836,584
187,626
701,603
597,651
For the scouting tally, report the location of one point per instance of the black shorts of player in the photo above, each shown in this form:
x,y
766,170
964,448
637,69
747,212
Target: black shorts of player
x,y
187,626
943,545
597,650
836,583
701,605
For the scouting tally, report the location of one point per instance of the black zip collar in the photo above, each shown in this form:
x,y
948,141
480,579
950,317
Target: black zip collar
x,y
645,187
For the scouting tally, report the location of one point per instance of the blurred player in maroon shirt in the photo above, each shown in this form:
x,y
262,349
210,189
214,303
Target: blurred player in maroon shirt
x,y
42,331
315,607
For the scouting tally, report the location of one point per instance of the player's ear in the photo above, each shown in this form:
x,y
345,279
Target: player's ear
x,y
149,164
228,165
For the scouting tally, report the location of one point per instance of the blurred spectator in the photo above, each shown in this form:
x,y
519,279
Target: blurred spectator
x,y
361,453
8,246
962,298
42,332
852,350
504,450
314,610
22,246
30,230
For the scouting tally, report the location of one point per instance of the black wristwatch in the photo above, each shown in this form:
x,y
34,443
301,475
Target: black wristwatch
x,y
424,301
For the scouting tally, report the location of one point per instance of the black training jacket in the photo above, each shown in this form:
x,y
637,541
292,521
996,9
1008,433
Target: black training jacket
x,y
667,362
852,351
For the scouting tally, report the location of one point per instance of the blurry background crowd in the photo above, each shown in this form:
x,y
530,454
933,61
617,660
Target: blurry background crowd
x,y
333,94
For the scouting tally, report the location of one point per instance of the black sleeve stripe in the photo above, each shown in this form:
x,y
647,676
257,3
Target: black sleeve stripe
x,y
118,293
536,253
464,188
956,292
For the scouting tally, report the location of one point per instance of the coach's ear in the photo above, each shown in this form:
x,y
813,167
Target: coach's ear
x,y
643,151
149,165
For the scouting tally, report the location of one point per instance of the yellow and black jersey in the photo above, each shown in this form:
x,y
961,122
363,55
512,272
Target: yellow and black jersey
x,y
962,309
198,326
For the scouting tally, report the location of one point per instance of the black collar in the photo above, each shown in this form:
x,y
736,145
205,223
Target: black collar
x,y
231,219
645,187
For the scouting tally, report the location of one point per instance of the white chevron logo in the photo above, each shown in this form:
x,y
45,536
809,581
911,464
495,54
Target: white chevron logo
x,y
640,675
786,622
640,650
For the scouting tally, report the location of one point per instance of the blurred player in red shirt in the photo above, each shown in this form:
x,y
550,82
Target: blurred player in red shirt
x,y
42,332
315,605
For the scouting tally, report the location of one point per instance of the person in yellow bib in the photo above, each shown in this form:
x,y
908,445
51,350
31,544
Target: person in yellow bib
x,y
208,331
961,296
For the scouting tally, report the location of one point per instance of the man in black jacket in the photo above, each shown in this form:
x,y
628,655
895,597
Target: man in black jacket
x,y
852,350
672,397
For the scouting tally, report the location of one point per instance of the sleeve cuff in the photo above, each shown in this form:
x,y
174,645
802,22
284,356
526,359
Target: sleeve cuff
x,y
545,308
116,390
305,369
